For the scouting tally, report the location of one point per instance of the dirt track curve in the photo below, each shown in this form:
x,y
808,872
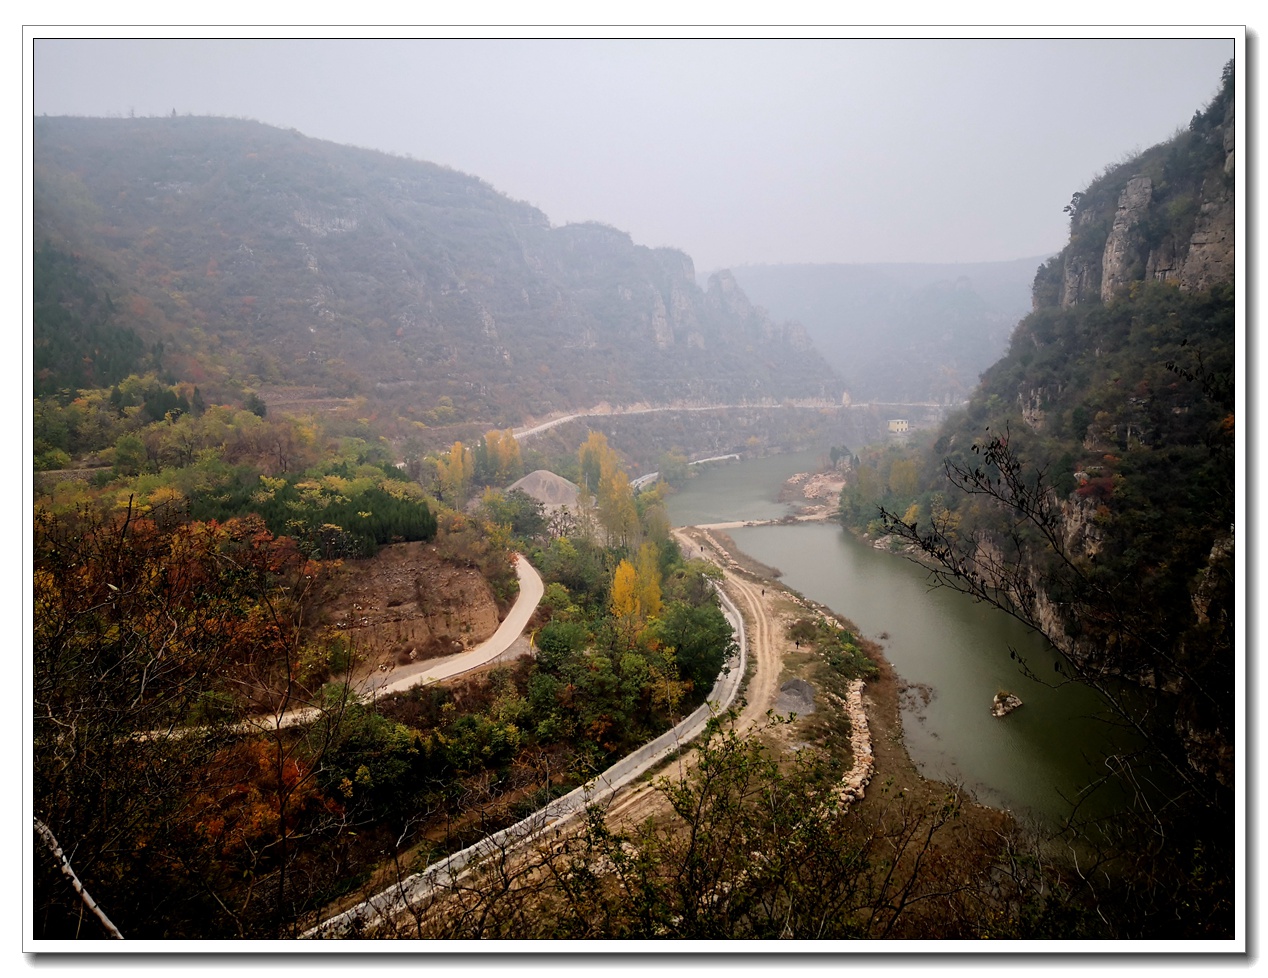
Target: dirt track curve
x,y
642,800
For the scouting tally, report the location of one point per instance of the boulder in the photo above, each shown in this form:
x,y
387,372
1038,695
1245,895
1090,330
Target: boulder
x,y
1004,704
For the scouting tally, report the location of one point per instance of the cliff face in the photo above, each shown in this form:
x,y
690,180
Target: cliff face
x,y
1168,215
1126,236
1117,398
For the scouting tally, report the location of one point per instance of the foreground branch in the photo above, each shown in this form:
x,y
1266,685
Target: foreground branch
x,y
55,848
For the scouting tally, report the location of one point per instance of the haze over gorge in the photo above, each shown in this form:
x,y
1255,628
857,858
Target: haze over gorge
x,y
361,607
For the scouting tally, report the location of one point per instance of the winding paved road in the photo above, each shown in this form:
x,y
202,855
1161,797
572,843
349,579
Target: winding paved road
x,y
761,693
396,898
605,411
512,627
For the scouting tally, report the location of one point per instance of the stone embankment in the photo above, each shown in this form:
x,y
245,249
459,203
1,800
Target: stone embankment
x,y
853,784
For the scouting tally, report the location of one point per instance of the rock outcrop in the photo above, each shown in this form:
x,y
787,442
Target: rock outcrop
x,y
854,784
1168,215
1125,237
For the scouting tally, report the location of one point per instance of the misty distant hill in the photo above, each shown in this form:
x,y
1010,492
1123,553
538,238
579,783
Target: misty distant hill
x,y
232,255
900,332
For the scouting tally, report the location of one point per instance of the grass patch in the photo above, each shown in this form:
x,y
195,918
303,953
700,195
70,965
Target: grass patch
x,y
835,643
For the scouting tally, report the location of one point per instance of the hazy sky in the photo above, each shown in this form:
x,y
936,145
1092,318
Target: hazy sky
x,y
735,151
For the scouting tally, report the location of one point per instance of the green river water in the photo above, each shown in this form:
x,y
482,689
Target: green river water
x,y
957,651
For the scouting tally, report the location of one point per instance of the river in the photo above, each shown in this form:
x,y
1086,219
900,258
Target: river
x,y
1034,760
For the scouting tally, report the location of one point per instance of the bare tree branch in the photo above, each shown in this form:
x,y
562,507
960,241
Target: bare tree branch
x,y
50,840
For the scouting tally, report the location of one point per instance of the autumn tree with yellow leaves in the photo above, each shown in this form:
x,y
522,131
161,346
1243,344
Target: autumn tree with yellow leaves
x,y
605,482
454,471
496,458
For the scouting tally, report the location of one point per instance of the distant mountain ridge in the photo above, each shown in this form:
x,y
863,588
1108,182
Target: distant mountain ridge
x,y
259,257
900,332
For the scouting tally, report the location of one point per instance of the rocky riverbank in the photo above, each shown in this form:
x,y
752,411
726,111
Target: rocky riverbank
x,y
854,783
873,711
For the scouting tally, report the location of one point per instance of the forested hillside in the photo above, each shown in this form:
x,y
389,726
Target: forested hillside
x,y
240,336
1089,489
236,256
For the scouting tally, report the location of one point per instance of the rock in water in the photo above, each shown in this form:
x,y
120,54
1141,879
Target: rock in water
x,y
1004,704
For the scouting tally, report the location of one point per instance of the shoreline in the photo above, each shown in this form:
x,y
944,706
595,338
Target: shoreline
x,y
880,699
854,782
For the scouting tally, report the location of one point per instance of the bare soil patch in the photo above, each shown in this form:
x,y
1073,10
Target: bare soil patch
x,y
407,605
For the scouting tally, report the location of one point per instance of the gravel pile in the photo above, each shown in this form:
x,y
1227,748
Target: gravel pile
x,y
795,696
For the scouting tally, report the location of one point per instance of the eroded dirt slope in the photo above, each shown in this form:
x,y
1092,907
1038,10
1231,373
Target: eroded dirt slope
x,y
408,604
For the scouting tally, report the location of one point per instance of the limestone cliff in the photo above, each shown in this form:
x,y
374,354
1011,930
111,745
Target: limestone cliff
x,y
1165,215
1117,398
1126,236
726,297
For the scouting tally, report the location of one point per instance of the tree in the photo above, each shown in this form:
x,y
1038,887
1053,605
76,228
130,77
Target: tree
x,y
557,642
654,520
255,404
617,512
520,512
455,470
149,641
603,479
592,455
673,469
647,583
700,638
1178,826
624,600
904,478
129,455
497,458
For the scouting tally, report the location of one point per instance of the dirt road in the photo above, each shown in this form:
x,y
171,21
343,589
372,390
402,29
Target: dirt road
x,y
764,640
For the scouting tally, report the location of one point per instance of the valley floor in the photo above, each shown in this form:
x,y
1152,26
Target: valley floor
x,y
768,609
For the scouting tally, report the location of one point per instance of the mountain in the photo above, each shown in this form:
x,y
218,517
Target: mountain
x,y
1098,454
1089,489
1166,215
238,256
900,332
